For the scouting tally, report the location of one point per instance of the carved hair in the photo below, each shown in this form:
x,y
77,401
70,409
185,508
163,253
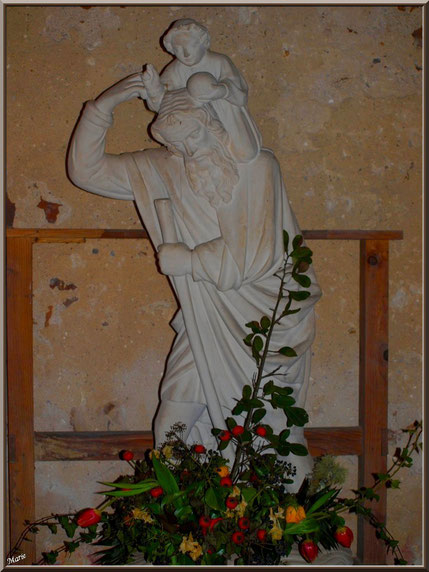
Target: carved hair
x,y
186,25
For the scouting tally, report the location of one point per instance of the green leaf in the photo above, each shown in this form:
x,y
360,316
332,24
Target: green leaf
x,y
299,296
166,479
287,351
305,526
183,513
231,422
285,240
256,402
284,435
53,528
301,252
223,445
248,340
238,409
297,241
70,546
248,493
296,416
215,499
50,557
146,484
258,415
321,501
298,449
265,323
268,387
247,392
257,344
282,400
67,526
254,325
302,280
283,390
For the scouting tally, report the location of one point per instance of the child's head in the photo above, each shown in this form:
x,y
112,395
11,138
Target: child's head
x,y
187,40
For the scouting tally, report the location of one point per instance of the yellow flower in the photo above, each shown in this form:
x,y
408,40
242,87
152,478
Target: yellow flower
x,y
140,514
167,451
192,546
235,492
154,452
222,471
276,533
240,509
294,514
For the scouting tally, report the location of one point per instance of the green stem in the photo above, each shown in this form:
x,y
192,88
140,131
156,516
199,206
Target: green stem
x,y
257,383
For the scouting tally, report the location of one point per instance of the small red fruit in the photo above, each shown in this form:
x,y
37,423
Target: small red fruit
x,y
214,522
226,482
261,431
308,550
254,478
225,436
88,517
156,492
231,503
127,455
261,535
200,449
237,537
244,523
205,521
237,430
344,536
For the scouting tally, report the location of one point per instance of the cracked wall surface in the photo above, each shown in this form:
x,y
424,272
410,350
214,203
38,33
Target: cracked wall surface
x,y
336,92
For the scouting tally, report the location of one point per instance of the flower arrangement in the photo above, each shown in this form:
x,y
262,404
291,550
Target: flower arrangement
x,y
185,505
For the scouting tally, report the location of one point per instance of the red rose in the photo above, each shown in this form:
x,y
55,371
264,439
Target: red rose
x,y
156,492
127,455
261,535
308,550
231,503
88,517
261,431
214,522
238,430
200,449
344,536
226,482
205,521
244,523
237,537
225,436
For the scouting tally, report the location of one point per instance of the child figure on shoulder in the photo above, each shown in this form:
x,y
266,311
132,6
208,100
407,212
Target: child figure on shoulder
x,y
209,77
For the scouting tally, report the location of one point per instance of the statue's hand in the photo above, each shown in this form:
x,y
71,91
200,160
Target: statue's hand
x,y
126,89
152,82
175,259
203,86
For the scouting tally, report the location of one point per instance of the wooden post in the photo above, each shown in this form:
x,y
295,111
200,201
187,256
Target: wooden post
x,y
20,388
373,356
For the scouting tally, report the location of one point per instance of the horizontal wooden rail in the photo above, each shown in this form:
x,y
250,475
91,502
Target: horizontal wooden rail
x,y
55,234
105,445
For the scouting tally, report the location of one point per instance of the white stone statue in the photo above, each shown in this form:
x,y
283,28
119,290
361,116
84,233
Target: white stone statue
x,y
229,209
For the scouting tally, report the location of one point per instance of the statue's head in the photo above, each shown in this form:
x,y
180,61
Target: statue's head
x,y
192,130
187,40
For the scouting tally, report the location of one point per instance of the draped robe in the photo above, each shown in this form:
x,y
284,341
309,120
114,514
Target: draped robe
x,y
236,250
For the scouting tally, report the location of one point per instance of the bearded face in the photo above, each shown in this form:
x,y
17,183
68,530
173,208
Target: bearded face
x,y
202,142
212,172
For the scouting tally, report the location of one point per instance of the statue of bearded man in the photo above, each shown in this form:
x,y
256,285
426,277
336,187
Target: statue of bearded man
x,y
229,219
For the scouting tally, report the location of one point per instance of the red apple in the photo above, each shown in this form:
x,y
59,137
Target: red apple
x,y
344,536
308,550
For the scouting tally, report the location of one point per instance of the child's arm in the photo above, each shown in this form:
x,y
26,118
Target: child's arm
x,y
155,89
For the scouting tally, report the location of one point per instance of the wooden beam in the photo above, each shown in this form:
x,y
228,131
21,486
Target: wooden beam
x,y
64,234
105,445
20,388
373,398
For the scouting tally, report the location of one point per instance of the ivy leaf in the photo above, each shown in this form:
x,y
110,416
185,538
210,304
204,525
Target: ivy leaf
x,y
50,557
67,526
53,528
287,351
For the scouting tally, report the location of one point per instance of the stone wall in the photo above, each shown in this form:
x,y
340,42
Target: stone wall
x,y
336,92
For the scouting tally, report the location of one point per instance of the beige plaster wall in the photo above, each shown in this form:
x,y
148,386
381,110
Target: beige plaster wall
x,y
336,92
